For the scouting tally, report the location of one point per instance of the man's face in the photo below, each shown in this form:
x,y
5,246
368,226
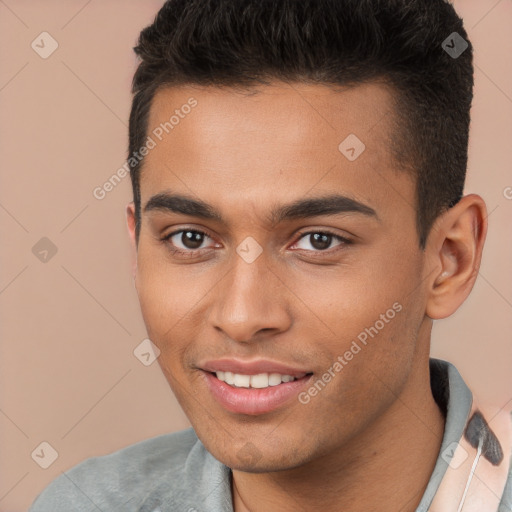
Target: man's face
x,y
300,290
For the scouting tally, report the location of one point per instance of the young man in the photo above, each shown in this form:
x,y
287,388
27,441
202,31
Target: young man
x,y
298,224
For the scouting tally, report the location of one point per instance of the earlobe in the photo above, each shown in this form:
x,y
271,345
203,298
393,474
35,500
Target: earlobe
x,y
455,250
131,224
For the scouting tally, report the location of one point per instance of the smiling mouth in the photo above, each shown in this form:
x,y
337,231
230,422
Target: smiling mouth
x,y
258,381
255,393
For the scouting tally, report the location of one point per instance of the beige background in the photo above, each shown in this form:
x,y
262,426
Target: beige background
x,y
68,375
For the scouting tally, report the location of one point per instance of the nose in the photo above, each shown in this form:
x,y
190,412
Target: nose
x,y
250,300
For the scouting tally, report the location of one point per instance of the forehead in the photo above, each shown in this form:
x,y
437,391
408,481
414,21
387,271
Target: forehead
x,y
275,142
299,115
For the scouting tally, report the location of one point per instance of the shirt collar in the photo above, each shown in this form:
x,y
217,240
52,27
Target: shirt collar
x,y
454,399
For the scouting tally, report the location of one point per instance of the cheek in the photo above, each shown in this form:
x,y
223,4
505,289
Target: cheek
x,y
166,292
351,297
367,313
165,298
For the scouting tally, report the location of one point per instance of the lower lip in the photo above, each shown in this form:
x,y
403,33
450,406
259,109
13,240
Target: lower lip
x,y
254,401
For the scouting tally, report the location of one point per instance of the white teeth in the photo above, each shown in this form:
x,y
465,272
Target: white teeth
x,y
260,381
242,381
274,379
228,378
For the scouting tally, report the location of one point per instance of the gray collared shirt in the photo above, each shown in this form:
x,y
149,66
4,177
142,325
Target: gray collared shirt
x,y
174,472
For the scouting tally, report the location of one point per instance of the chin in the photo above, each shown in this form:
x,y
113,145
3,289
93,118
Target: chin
x,y
253,459
262,466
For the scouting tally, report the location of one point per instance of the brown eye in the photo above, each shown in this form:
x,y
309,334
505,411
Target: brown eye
x,y
318,241
186,240
192,239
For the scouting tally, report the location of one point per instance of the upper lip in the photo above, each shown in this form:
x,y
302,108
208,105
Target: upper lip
x,y
251,367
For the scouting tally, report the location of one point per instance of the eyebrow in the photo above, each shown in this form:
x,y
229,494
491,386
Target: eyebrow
x,y
301,209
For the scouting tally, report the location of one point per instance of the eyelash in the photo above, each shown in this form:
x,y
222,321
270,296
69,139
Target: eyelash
x,y
192,253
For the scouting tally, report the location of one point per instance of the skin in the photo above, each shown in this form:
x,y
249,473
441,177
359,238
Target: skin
x,y
369,440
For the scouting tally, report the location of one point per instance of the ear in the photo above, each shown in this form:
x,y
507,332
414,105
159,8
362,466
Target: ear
x,y
130,221
454,251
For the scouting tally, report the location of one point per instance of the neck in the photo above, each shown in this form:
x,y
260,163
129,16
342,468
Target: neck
x,y
386,467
